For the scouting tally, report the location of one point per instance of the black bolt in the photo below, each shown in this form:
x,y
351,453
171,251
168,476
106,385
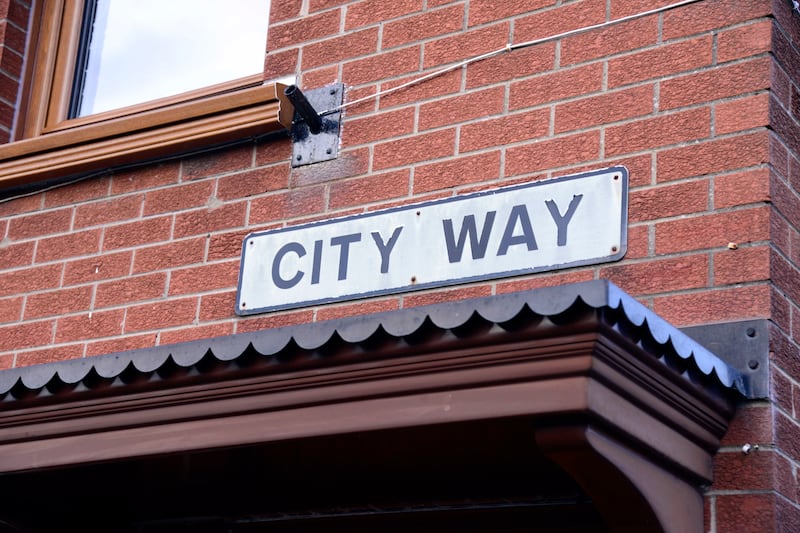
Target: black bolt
x,y
329,151
753,364
299,157
751,332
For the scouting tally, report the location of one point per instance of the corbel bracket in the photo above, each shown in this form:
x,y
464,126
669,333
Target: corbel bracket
x,y
315,137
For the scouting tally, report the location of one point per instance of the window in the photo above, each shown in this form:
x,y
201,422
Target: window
x,y
74,119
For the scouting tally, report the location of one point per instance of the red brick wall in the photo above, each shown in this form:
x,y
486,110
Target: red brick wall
x,y
684,98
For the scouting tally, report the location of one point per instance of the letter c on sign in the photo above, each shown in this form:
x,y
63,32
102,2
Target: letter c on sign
x,y
279,282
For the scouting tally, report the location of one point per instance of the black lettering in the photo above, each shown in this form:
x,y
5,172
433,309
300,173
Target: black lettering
x,y
315,267
386,248
280,282
563,221
344,242
519,213
478,246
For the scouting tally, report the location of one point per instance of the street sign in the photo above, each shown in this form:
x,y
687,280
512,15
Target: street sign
x,y
545,225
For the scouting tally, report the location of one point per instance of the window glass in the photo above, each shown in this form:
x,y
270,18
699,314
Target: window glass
x,y
134,51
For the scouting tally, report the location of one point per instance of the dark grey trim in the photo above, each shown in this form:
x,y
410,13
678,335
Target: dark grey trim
x,y
465,321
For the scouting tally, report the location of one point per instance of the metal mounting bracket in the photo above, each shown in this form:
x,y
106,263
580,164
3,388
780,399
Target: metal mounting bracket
x,y
743,345
308,147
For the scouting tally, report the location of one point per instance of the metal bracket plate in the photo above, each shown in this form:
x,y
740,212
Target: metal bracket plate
x,y
308,148
743,345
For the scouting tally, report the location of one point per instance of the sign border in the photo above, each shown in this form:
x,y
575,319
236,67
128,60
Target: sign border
x,y
448,282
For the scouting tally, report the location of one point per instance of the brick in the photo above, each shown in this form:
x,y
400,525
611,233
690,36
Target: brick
x,y
552,153
369,189
274,320
457,172
505,130
161,315
226,245
724,305
465,45
272,150
137,233
102,267
612,40
217,162
58,302
785,276
382,66
787,515
449,83
715,83
193,333
26,335
39,224
713,230
712,156
462,108
378,127
665,60
67,246
83,191
707,16
537,281
20,205
667,201
787,435
686,272
447,295
178,198
280,10
741,266
338,49
292,204
319,5
744,41
30,280
217,306
282,63
50,355
123,344
409,150
741,114
745,513
306,29
638,242
751,423
144,178
508,66
82,327
253,182
350,163
10,309
205,221
320,77
741,188
368,12
170,255
785,200
15,255
603,109
786,128
204,278
423,26
554,86
658,132
737,471
108,211
781,390
332,312
483,11
131,289
546,23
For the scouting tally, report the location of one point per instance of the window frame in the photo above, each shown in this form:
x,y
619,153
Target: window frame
x,y
47,144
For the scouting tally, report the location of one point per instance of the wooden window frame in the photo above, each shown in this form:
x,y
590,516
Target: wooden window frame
x,y
49,145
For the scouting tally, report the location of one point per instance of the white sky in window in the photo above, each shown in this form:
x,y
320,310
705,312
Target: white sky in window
x,y
147,49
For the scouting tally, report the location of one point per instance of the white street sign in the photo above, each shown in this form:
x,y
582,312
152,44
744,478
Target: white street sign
x,y
545,225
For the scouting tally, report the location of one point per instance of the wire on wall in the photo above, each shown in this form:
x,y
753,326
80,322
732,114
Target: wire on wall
x,y
508,48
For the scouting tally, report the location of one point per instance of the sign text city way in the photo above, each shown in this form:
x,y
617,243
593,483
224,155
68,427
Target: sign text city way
x,y
546,225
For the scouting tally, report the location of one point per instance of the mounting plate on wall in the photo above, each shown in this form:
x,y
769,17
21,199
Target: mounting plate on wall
x,y
308,147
